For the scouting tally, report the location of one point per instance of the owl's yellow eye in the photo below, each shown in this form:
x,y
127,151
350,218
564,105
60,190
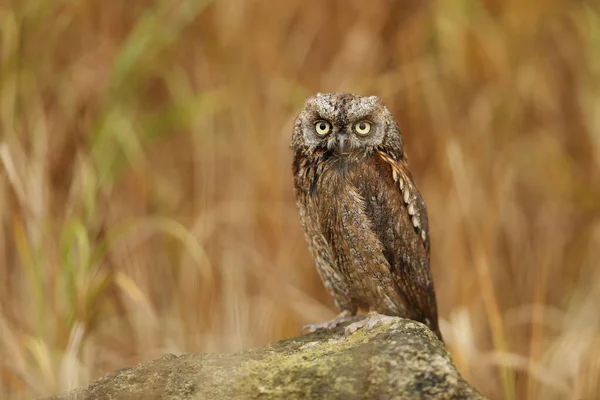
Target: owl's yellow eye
x,y
322,127
362,127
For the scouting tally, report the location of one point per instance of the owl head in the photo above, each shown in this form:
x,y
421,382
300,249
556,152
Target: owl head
x,y
346,124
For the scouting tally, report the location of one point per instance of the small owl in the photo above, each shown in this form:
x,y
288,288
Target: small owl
x,y
363,217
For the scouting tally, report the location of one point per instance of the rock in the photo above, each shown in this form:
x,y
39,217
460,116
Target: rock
x,y
398,359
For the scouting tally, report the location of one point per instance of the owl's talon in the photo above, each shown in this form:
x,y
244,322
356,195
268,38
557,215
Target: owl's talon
x,y
328,325
312,328
353,327
368,323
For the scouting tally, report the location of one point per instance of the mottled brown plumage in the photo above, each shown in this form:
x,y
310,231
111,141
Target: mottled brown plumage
x,y
364,219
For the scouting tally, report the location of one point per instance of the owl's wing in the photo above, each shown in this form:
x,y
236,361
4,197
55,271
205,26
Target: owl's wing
x,y
415,206
398,214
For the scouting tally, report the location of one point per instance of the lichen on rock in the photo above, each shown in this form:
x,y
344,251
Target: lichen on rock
x,y
399,359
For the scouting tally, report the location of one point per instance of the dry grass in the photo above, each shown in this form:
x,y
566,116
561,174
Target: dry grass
x,y
145,185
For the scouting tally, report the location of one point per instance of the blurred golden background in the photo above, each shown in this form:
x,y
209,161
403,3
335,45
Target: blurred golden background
x,y
146,193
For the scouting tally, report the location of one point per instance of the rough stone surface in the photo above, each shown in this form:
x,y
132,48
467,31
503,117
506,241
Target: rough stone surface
x,y
398,359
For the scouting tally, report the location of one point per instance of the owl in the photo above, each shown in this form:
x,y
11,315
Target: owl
x,y
364,219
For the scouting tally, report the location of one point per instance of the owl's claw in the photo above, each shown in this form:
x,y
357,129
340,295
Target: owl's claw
x,y
344,316
368,323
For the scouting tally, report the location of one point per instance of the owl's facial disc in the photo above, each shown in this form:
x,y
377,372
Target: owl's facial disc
x,y
343,123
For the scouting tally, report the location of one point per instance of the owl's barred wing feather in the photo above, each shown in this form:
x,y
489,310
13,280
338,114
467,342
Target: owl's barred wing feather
x,y
411,197
405,243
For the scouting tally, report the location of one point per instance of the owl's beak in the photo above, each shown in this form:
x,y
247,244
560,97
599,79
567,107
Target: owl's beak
x,y
342,142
